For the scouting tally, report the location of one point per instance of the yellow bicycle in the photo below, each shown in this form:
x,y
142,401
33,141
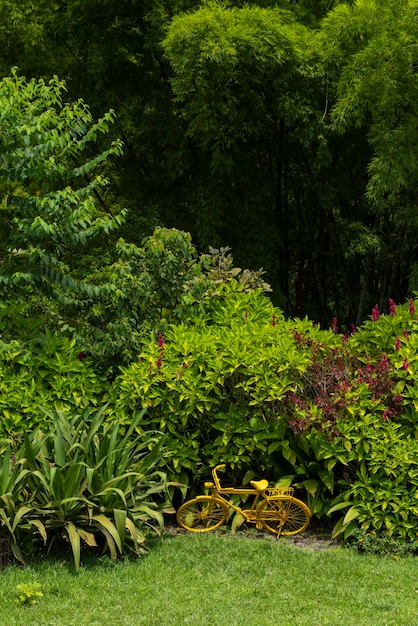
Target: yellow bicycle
x,y
272,508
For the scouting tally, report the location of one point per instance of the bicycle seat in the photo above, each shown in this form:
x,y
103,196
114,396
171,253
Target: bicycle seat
x,y
260,485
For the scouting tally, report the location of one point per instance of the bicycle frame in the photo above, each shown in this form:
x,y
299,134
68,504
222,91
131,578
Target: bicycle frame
x,y
249,515
272,508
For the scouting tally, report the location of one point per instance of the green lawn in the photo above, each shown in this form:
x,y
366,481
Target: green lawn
x,y
220,580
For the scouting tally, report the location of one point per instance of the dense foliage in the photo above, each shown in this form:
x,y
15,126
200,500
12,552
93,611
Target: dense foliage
x,y
332,414
83,480
285,131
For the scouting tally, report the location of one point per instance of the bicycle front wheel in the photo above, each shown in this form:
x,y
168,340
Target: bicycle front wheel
x,y
202,514
284,515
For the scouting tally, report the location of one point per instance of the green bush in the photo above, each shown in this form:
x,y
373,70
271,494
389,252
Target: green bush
x,y
84,480
49,371
217,386
235,382
381,544
161,282
332,414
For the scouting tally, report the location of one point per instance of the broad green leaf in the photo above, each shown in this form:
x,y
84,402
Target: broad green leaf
x,y
339,506
89,538
75,543
111,530
120,523
351,514
311,486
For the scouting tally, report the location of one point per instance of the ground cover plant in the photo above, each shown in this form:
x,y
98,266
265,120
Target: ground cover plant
x,y
217,579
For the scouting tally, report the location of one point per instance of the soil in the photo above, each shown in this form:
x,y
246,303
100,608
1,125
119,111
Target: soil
x,y
314,538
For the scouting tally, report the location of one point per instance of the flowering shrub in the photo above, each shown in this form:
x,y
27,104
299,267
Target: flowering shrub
x,y
335,415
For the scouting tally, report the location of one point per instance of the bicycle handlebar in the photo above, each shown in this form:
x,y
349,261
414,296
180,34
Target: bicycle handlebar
x,y
215,476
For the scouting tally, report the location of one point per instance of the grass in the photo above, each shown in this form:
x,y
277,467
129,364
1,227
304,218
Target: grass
x,y
218,580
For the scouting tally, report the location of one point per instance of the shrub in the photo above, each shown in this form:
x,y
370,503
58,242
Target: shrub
x,y
86,480
381,544
48,371
163,281
334,415
218,386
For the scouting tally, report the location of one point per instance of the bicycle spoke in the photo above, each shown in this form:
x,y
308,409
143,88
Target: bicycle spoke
x,y
286,516
202,514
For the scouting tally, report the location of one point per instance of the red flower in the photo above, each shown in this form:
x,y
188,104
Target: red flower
x,y
375,313
397,344
405,333
274,320
405,363
334,325
411,306
81,356
160,341
392,307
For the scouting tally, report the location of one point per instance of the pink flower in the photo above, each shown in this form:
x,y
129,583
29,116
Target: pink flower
x,y
375,313
411,306
160,341
392,307
397,344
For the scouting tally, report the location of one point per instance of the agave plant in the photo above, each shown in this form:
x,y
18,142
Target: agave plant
x,y
89,478
15,499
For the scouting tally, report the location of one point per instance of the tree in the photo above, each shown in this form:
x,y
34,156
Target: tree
x,y
243,83
370,50
52,184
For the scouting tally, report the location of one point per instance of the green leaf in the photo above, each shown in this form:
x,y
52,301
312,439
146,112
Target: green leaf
x,y
339,506
120,522
311,486
351,514
105,524
75,543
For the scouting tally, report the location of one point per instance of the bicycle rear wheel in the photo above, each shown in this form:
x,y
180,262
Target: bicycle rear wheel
x,y
284,515
202,514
